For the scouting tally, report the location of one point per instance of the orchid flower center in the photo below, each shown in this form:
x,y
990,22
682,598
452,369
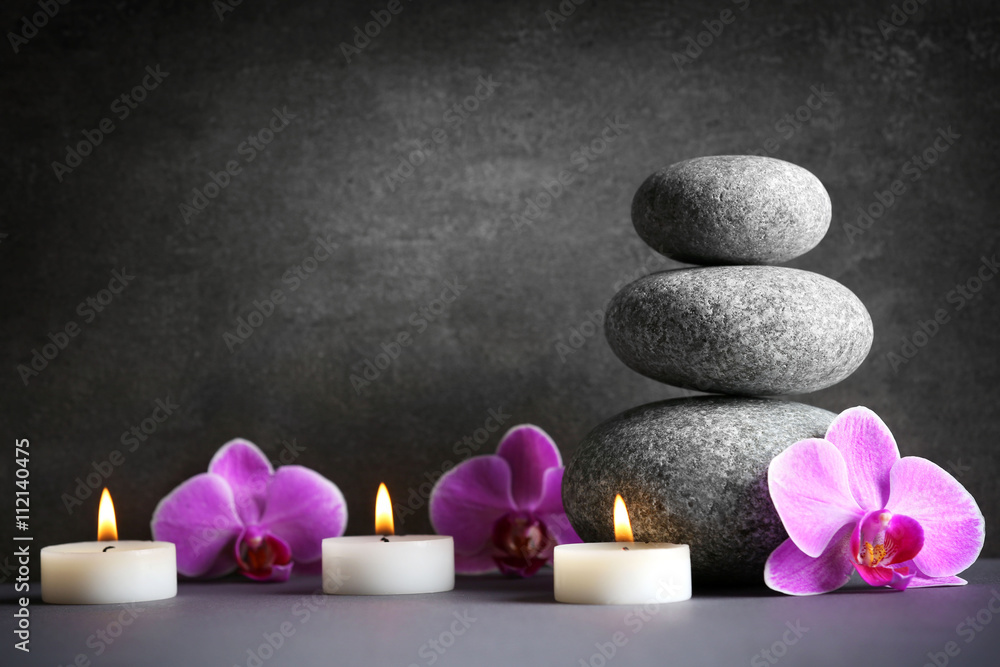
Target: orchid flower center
x,y
887,539
877,546
883,546
522,543
259,552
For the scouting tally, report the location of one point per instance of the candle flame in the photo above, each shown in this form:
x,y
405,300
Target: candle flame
x,y
107,528
623,527
383,512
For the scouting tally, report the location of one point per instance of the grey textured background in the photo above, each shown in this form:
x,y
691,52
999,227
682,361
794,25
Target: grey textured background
x,y
500,345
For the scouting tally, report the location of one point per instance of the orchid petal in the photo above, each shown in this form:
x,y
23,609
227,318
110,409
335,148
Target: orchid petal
x,y
466,502
907,537
869,450
810,490
901,578
303,508
789,570
921,580
248,472
200,518
277,574
530,452
896,577
928,582
313,568
875,576
481,562
954,528
550,508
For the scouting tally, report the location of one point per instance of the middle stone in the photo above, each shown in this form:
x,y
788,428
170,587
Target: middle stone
x,y
745,330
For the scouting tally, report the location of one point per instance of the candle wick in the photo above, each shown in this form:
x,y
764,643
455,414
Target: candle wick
x,y
111,546
385,539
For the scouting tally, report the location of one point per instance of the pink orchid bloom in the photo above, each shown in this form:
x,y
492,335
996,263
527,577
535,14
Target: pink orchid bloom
x,y
505,511
242,514
849,502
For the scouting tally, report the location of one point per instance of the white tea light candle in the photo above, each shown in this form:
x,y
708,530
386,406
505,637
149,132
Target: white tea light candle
x,y
386,563
622,572
109,571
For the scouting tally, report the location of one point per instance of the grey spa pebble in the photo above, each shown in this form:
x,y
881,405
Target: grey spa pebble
x,y
732,209
745,330
691,471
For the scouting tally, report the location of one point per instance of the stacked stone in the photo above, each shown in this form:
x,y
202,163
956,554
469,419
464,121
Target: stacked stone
x,y
694,470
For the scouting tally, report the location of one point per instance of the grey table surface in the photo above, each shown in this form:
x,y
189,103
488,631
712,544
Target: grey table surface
x,y
498,621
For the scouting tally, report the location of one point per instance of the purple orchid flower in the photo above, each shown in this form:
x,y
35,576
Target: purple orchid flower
x,y
505,511
849,502
242,514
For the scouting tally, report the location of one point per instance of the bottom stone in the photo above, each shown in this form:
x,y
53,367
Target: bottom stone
x,y
691,471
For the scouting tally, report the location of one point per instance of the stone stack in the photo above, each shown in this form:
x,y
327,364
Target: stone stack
x,y
694,470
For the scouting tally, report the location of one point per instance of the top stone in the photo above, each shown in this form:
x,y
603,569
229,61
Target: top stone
x,y
732,209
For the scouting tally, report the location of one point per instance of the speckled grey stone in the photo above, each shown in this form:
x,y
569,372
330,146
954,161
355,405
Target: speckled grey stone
x,y
691,471
747,330
732,209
